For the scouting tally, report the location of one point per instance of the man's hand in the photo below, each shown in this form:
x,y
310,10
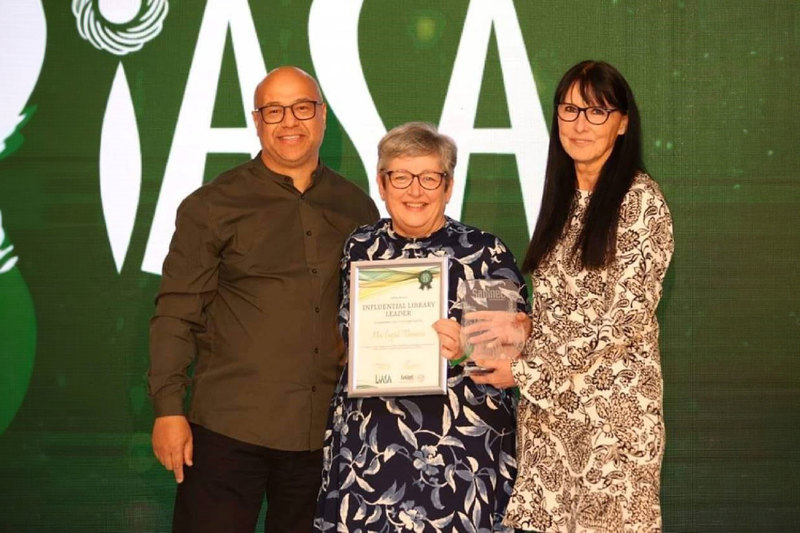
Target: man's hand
x,y
172,443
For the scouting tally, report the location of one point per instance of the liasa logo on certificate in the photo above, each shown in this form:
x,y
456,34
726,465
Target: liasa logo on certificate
x,y
386,379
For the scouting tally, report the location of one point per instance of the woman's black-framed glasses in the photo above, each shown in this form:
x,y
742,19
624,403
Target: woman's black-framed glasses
x,y
303,110
428,180
594,114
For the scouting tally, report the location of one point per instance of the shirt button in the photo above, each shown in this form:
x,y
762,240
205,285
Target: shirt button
x,y
308,233
316,309
316,350
313,388
313,270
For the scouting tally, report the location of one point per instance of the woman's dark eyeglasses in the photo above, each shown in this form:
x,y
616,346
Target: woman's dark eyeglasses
x,y
594,114
428,180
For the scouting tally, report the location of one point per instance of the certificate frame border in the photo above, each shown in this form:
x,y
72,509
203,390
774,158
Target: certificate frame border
x,y
352,348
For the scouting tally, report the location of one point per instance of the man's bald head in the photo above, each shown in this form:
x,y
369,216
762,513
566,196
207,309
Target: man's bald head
x,y
283,74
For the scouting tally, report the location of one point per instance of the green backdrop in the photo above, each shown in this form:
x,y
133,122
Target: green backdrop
x,y
716,82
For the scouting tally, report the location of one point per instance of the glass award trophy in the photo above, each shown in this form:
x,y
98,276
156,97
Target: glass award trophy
x,y
489,325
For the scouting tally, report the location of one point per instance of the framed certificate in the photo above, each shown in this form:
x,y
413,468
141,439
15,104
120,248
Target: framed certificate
x,y
393,349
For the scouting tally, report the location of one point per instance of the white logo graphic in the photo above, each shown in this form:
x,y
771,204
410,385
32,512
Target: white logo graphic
x,y
120,167
7,261
119,27
23,35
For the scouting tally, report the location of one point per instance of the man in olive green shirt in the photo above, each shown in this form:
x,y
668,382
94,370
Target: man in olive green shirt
x,y
249,294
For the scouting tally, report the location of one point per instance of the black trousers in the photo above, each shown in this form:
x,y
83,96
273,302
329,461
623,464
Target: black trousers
x,y
223,491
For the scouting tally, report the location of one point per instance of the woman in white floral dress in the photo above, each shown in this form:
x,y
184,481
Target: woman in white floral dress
x,y
590,423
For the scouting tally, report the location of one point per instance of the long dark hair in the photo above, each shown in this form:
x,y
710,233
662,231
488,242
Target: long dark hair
x,y
600,84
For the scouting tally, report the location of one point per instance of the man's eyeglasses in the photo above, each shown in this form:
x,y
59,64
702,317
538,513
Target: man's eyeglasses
x,y
304,110
428,180
595,115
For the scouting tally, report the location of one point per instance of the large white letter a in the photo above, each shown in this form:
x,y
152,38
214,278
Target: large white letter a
x,y
194,136
527,137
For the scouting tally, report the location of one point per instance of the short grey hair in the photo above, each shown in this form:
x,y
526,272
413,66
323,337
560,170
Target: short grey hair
x,y
417,139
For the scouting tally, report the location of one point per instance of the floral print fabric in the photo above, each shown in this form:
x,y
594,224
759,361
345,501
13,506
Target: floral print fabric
x,y
422,463
591,431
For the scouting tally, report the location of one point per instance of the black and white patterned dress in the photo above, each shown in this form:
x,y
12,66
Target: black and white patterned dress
x,y
422,463
591,428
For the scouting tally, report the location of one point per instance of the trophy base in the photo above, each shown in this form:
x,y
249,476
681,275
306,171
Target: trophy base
x,y
471,369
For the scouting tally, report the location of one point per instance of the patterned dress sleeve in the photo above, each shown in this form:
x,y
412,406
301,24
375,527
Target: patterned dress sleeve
x,y
502,265
355,249
344,297
603,330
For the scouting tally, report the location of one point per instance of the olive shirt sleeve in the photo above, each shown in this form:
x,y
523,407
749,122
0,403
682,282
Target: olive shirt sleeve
x,y
188,285
643,253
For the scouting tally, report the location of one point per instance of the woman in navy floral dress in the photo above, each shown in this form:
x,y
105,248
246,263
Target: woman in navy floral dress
x,y
421,463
